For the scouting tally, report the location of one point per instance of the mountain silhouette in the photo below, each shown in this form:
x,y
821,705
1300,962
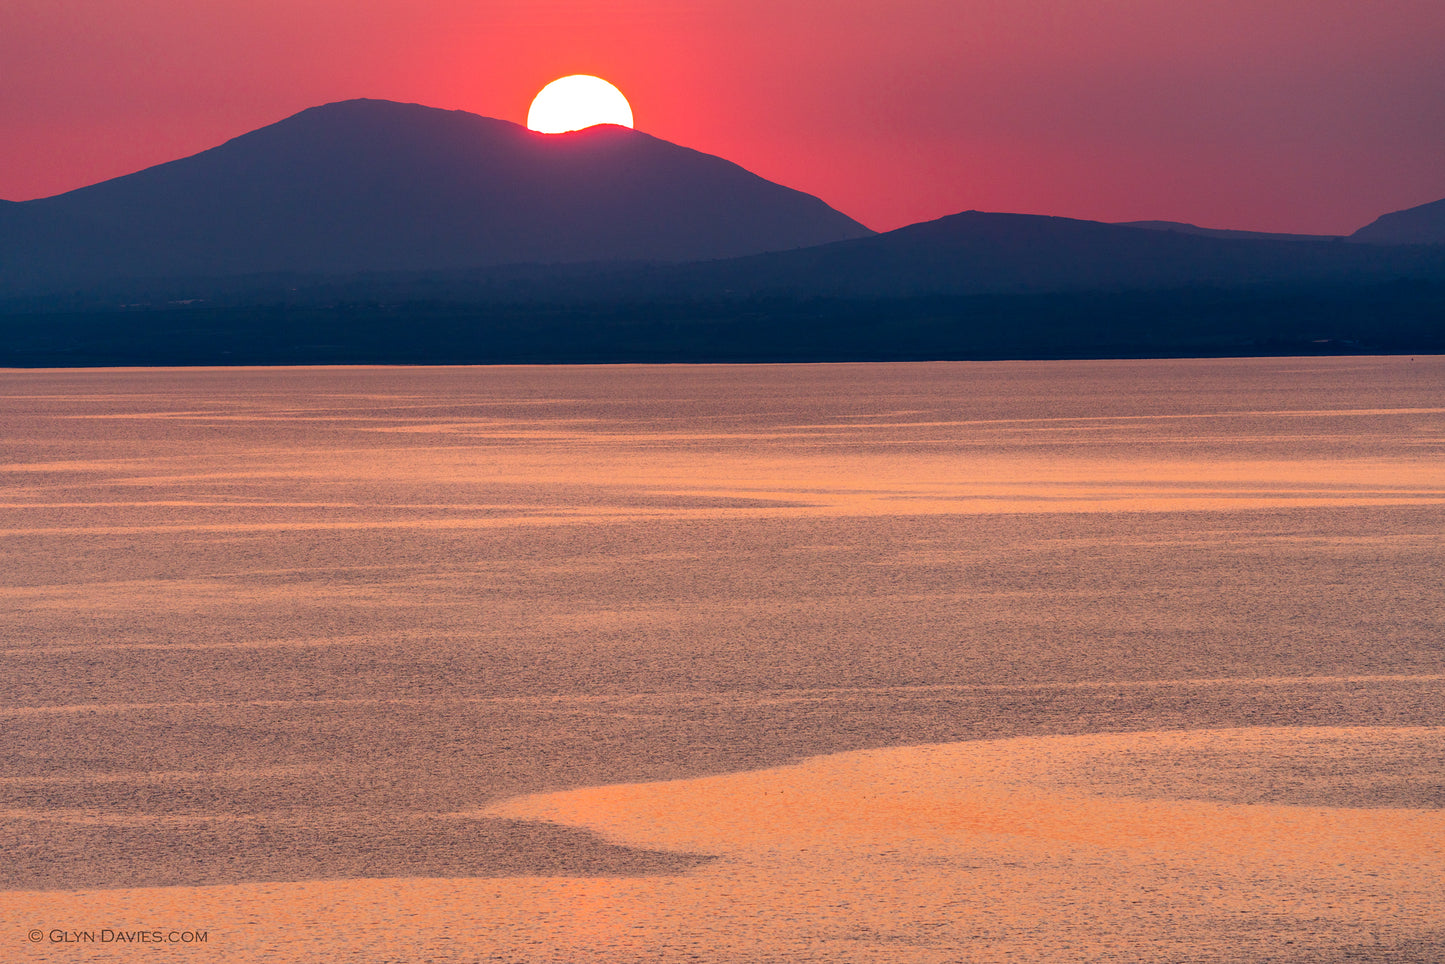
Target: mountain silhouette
x,y
375,232
1424,224
1182,227
978,252
973,285
371,185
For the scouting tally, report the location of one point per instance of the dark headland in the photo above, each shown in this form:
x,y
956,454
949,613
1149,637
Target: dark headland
x,y
375,232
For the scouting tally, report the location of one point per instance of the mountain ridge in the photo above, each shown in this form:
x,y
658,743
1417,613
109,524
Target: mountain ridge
x,y
977,252
377,185
610,245
1183,227
967,254
1422,224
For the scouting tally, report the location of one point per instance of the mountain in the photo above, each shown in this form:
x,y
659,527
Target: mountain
x,y
370,185
1424,224
370,232
972,285
981,253
1181,227
962,255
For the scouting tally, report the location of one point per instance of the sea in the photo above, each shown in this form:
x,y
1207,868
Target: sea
x,y
970,661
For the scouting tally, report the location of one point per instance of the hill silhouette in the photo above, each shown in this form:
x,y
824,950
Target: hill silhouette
x,y
985,253
369,185
972,253
1182,227
1424,224
376,232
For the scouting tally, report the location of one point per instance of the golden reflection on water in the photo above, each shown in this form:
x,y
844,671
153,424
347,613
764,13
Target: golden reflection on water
x,y
1023,849
265,628
1012,849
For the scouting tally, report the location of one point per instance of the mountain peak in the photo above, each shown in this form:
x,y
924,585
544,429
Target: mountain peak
x,y
368,185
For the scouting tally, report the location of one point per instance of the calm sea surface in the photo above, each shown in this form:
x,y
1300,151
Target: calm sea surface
x,y
318,625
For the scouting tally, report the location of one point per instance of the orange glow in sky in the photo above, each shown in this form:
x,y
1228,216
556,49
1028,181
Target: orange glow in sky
x,y
1267,115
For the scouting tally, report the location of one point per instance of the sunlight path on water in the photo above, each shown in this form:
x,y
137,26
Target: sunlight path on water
x,y
1055,848
1227,845
283,649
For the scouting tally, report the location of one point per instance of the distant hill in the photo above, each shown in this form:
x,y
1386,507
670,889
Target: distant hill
x,y
980,253
369,185
968,254
373,232
1181,227
1418,225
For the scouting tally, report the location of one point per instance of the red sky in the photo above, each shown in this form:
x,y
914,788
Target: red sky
x,y
1280,115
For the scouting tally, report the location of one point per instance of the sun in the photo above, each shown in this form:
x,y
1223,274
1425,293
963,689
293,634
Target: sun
x,y
572,103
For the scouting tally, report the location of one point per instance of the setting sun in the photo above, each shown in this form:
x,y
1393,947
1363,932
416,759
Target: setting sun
x,y
572,103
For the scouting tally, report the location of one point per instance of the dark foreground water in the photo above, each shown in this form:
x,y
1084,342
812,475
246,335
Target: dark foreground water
x,y
318,625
